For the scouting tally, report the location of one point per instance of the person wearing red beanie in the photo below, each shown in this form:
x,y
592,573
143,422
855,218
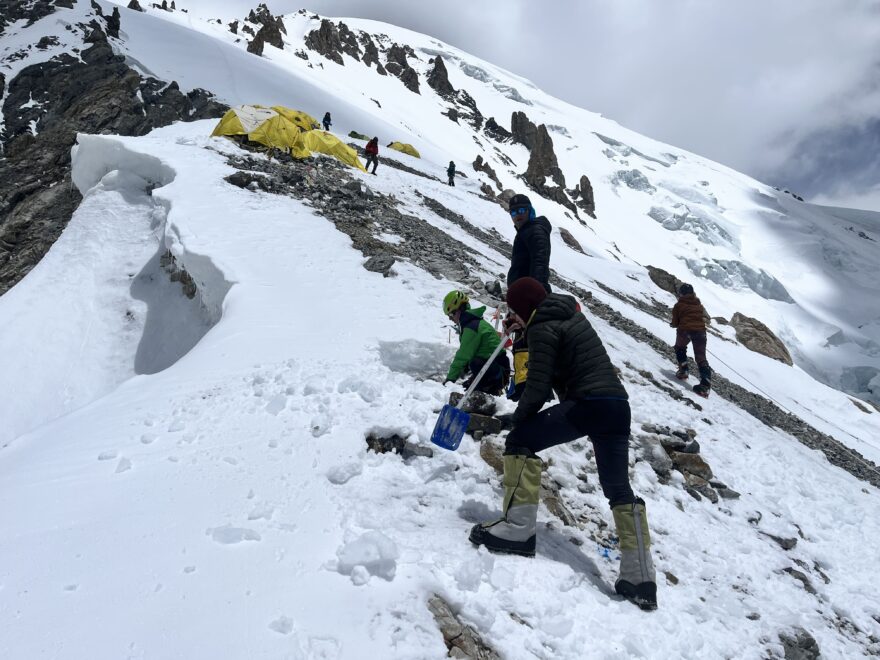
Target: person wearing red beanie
x,y
566,355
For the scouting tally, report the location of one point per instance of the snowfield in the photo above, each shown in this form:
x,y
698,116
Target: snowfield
x,y
188,477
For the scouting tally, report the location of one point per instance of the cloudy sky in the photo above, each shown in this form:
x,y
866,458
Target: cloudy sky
x,y
786,90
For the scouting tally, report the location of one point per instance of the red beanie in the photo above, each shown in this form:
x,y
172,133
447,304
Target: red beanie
x,y
524,296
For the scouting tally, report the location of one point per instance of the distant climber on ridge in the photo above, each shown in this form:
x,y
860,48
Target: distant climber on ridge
x,y
530,258
567,355
450,172
327,121
688,319
477,341
372,150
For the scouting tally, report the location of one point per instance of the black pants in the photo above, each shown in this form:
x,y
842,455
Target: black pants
x,y
605,421
451,179
326,126
374,159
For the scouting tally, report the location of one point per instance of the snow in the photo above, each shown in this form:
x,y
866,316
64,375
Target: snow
x,y
190,478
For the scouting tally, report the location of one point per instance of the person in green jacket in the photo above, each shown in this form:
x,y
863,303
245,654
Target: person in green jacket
x,y
478,340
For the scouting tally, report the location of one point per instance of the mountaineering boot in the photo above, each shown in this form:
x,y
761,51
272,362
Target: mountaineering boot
x,y
637,582
682,373
705,384
515,532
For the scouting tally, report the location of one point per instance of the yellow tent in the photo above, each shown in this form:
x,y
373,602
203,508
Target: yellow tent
x,y
405,148
280,127
325,143
302,119
264,126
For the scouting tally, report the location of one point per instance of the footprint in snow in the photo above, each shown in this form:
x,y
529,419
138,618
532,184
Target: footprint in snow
x,y
107,455
282,625
124,465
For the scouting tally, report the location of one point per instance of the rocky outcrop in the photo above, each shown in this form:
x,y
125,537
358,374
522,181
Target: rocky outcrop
x,y
262,16
583,196
135,6
468,110
666,281
523,130
325,41
542,161
757,337
270,34
12,11
462,641
496,131
371,53
233,27
481,166
398,65
438,78
349,42
570,240
94,93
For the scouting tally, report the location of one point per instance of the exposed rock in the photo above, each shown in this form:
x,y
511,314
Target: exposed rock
x,y
10,12
410,79
113,23
691,464
782,542
461,640
583,196
371,53
93,93
397,445
349,42
381,263
397,54
325,41
542,161
233,27
492,453
135,5
478,403
263,16
270,34
496,131
653,452
256,45
570,240
800,645
482,166
523,130
802,578
757,337
664,280
701,486
438,78
43,44
469,110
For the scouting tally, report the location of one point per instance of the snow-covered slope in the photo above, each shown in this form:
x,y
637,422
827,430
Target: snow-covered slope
x,y
190,478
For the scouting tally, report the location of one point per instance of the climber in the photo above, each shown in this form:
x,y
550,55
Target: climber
x,y
372,150
567,355
530,257
689,321
450,172
477,342
327,121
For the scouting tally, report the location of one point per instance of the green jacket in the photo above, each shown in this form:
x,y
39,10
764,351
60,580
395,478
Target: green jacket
x,y
477,338
565,354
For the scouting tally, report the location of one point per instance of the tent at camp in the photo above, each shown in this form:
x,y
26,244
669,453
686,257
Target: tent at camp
x,y
405,148
282,128
327,143
302,119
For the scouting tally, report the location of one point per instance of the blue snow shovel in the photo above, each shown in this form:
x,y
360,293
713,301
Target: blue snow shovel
x,y
453,421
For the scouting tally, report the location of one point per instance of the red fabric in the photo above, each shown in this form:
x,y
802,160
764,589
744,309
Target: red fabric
x,y
372,148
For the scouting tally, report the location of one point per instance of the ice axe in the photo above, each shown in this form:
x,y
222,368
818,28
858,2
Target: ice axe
x,y
453,421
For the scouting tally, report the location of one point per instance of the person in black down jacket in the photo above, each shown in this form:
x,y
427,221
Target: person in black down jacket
x,y
531,247
566,355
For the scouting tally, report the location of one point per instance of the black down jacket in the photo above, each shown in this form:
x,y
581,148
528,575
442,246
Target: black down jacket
x,y
565,354
531,252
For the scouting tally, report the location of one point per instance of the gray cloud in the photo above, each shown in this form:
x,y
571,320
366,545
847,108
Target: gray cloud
x,y
786,91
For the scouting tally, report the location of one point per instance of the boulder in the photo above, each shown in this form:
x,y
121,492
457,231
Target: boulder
x,y
583,196
757,337
542,161
691,464
482,166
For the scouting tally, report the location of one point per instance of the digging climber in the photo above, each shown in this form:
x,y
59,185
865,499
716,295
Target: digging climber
x,y
372,150
689,321
450,173
477,342
327,121
567,355
530,258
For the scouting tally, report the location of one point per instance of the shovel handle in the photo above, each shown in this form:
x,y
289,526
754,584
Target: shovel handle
x,y
482,372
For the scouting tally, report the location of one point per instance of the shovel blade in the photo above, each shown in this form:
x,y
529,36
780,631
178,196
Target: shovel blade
x,y
450,427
